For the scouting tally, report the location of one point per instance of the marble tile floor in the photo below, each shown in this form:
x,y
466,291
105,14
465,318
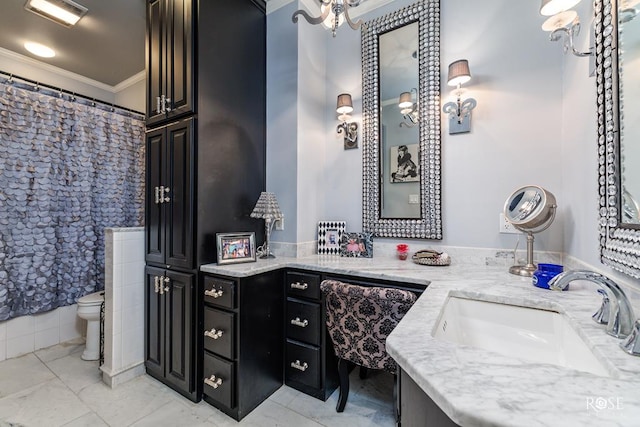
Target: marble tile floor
x,y
54,387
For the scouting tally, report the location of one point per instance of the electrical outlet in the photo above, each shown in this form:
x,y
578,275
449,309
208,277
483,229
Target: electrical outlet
x,y
280,224
414,199
506,226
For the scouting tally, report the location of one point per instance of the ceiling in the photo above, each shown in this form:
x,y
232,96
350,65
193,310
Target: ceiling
x,y
107,44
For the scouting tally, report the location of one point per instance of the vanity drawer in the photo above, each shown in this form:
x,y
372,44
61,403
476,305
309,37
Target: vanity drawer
x,y
218,375
219,332
219,292
303,285
303,321
303,364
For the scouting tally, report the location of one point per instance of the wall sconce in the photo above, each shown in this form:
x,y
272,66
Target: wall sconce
x,y
350,129
459,111
409,108
333,13
562,21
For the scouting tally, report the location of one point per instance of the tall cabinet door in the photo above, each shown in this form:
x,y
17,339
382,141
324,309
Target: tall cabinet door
x,y
154,320
180,57
180,208
154,212
179,330
156,59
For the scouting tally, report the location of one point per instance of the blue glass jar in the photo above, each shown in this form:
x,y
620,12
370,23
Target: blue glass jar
x,y
544,273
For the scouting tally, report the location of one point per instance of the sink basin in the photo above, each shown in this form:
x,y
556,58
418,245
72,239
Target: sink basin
x,y
537,335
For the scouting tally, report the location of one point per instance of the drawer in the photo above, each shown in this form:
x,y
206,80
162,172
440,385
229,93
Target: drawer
x,y
219,332
303,364
219,380
219,292
303,321
303,285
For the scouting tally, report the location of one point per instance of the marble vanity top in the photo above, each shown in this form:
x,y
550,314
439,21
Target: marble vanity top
x,y
476,387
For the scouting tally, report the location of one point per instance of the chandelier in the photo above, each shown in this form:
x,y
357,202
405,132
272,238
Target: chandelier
x,y
333,13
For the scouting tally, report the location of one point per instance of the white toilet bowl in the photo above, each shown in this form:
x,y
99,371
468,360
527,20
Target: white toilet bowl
x,y
89,309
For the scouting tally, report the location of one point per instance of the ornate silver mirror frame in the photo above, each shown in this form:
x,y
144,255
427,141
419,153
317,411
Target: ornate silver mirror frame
x,y
429,225
619,241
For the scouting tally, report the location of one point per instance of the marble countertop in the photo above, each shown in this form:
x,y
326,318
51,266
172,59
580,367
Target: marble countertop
x,y
476,387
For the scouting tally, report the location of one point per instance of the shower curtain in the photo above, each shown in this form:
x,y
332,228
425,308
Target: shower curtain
x,y
68,169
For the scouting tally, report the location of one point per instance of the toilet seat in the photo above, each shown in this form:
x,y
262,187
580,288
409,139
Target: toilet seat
x,y
95,298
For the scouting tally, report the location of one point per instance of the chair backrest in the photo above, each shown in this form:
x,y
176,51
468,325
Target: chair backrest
x,y
360,318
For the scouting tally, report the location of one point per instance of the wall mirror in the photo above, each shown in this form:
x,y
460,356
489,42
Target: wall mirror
x,y
401,123
617,69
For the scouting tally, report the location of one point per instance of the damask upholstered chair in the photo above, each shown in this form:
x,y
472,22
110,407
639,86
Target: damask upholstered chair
x,y
359,320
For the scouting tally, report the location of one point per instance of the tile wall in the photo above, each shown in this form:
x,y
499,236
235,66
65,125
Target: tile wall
x,y
124,304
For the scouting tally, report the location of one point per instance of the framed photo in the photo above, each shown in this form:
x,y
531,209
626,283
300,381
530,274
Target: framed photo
x,y
356,245
236,247
329,237
405,166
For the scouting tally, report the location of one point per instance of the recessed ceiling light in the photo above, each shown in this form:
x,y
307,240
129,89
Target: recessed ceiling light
x,y
40,49
64,12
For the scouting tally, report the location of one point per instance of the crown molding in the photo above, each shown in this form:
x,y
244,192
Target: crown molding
x,y
142,75
68,74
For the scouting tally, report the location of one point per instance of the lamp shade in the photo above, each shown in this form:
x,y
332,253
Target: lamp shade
x,y
405,100
345,105
267,207
560,20
458,72
551,7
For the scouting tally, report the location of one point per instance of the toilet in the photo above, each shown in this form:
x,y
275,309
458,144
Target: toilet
x,y
89,309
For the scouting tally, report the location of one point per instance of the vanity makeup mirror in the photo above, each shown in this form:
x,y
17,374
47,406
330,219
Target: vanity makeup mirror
x,y
617,29
531,209
401,123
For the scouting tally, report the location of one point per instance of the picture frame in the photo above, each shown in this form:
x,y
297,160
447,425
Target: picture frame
x,y
236,247
404,163
356,245
330,237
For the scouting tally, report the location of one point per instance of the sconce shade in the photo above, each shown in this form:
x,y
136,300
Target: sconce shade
x,y
560,20
267,207
405,100
552,7
344,106
458,72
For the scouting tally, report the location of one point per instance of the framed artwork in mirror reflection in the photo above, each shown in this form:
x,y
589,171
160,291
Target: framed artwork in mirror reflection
x,y
236,247
329,236
356,245
404,163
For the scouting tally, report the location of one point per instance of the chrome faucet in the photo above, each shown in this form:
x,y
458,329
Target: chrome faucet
x,y
621,317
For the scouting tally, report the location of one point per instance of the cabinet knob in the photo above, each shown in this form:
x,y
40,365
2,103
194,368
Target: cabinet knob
x,y
213,381
167,104
298,322
213,333
299,366
165,199
298,285
213,293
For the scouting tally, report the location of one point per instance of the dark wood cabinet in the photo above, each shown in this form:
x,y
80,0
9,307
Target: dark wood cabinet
x,y
242,332
169,309
206,112
170,191
169,57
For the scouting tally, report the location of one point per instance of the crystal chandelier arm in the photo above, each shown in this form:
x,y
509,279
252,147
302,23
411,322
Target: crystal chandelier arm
x,y
310,19
355,25
569,33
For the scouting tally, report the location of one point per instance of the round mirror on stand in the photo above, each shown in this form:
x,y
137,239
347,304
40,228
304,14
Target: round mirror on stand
x,y
531,209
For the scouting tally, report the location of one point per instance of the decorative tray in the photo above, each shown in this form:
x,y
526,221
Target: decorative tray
x,y
432,258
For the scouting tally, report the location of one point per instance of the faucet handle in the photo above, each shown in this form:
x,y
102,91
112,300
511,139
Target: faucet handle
x,y
632,343
602,315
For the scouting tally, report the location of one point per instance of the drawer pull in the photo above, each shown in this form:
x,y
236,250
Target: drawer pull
x,y
213,333
298,285
214,293
213,381
302,323
301,367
